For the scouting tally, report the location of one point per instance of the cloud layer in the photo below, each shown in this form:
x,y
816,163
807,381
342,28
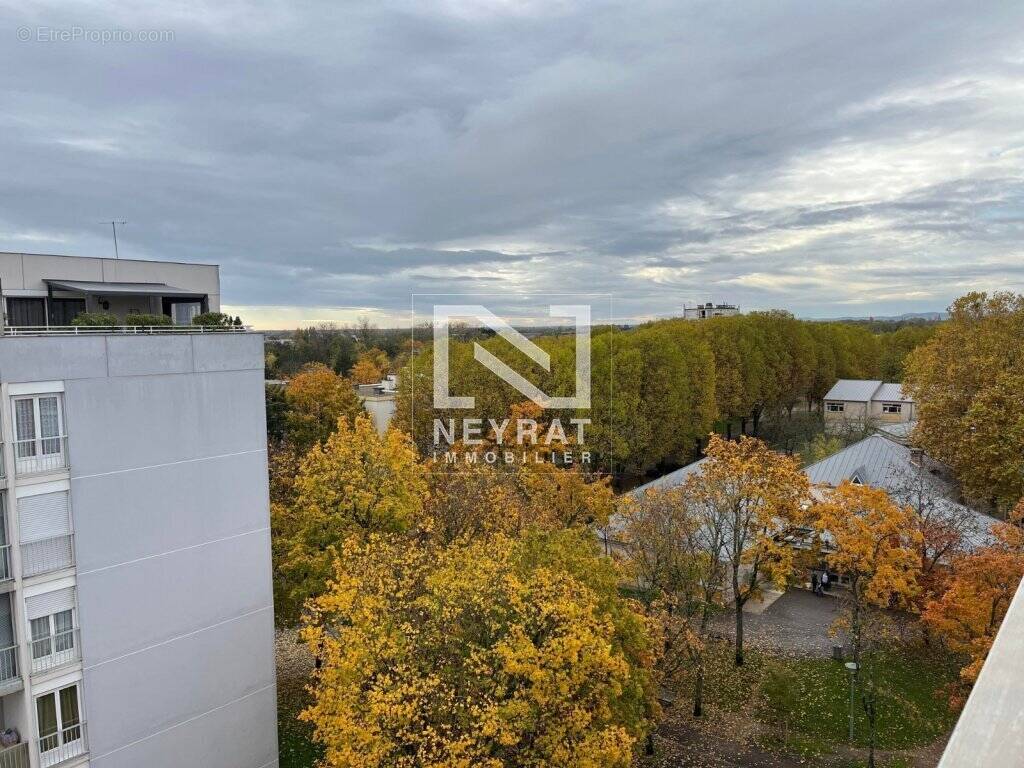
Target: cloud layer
x,y
831,159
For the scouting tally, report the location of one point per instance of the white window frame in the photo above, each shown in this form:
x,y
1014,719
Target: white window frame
x,y
834,407
54,657
892,408
40,459
62,748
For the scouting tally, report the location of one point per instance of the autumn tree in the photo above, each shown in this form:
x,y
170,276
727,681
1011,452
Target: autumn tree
x,y
873,542
359,482
370,367
947,529
316,398
755,496
969,613
673,551
491,653
968,382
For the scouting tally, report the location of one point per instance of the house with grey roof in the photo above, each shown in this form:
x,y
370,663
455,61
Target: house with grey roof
x,y
861,403
908,475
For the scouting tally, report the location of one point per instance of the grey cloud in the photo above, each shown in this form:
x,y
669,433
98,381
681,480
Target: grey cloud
x,y
581,146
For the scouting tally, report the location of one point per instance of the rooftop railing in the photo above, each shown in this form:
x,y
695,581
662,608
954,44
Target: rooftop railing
x,y
125,330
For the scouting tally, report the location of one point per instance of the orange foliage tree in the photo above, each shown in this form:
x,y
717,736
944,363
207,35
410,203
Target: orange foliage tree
x,y
316,398
969,613
873,542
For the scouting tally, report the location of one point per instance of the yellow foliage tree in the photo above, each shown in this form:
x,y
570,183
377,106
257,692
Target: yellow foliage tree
x,y
477,655
969,613
874,542
968,381
371,366
316,398
359,482
753,497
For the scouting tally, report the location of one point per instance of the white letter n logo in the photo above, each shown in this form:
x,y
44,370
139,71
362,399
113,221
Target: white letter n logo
x,y
444,312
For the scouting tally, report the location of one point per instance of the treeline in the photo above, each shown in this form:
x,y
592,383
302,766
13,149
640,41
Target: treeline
x,y
339,348
660,388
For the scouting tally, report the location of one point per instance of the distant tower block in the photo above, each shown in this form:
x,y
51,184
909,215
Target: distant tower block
x,y
704,311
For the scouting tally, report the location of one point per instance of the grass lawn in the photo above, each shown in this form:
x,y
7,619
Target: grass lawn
x,y
295,745
911,710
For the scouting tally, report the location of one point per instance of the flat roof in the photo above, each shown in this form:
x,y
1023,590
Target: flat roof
x,y
112,258
120,289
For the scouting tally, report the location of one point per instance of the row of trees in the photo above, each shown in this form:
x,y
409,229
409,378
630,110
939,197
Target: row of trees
x,y
659,389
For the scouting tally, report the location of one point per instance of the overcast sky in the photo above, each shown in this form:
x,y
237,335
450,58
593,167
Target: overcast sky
x,y
831,159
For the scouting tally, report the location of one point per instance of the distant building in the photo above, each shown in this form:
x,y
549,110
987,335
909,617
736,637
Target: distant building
x,y
379,400
704,311
857,402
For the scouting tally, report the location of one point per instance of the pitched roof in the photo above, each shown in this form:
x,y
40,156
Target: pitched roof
x,y
857,390
881,462
671,480
891,393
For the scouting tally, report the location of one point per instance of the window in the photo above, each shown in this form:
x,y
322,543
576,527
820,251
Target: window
x,y
39,433
61,735
835,407
63,311
892,407
53,640
26,311
46,536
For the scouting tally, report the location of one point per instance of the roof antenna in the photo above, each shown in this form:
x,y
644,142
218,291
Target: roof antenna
x,y
113,227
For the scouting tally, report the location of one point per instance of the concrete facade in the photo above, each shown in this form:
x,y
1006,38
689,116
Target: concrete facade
x,y
165,469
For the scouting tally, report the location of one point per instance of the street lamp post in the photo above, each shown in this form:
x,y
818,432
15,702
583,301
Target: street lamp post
x,y
851,667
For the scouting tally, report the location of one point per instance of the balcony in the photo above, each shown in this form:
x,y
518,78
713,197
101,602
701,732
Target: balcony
x,y
55,651
65,744
15,756
10,680
46,555
6,571
39,455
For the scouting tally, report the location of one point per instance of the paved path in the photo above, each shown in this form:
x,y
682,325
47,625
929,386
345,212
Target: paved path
x,y
798,621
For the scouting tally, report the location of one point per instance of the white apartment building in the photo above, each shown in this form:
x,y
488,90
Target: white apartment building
x,y
136,610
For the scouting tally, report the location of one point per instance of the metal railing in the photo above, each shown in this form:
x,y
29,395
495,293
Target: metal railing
x,y
6,571
37,455
56,650
14,756
70,741
8,664
129,330
45,555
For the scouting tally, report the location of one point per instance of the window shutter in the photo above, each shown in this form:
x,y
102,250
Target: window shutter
x,y
44,516
49,603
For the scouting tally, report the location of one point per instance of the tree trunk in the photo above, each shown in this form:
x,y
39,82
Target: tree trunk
x,y
728,430
739,634
757,420
698,691
743,425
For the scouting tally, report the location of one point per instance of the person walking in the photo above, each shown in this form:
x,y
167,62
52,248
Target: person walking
x,y
814,582
824,582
